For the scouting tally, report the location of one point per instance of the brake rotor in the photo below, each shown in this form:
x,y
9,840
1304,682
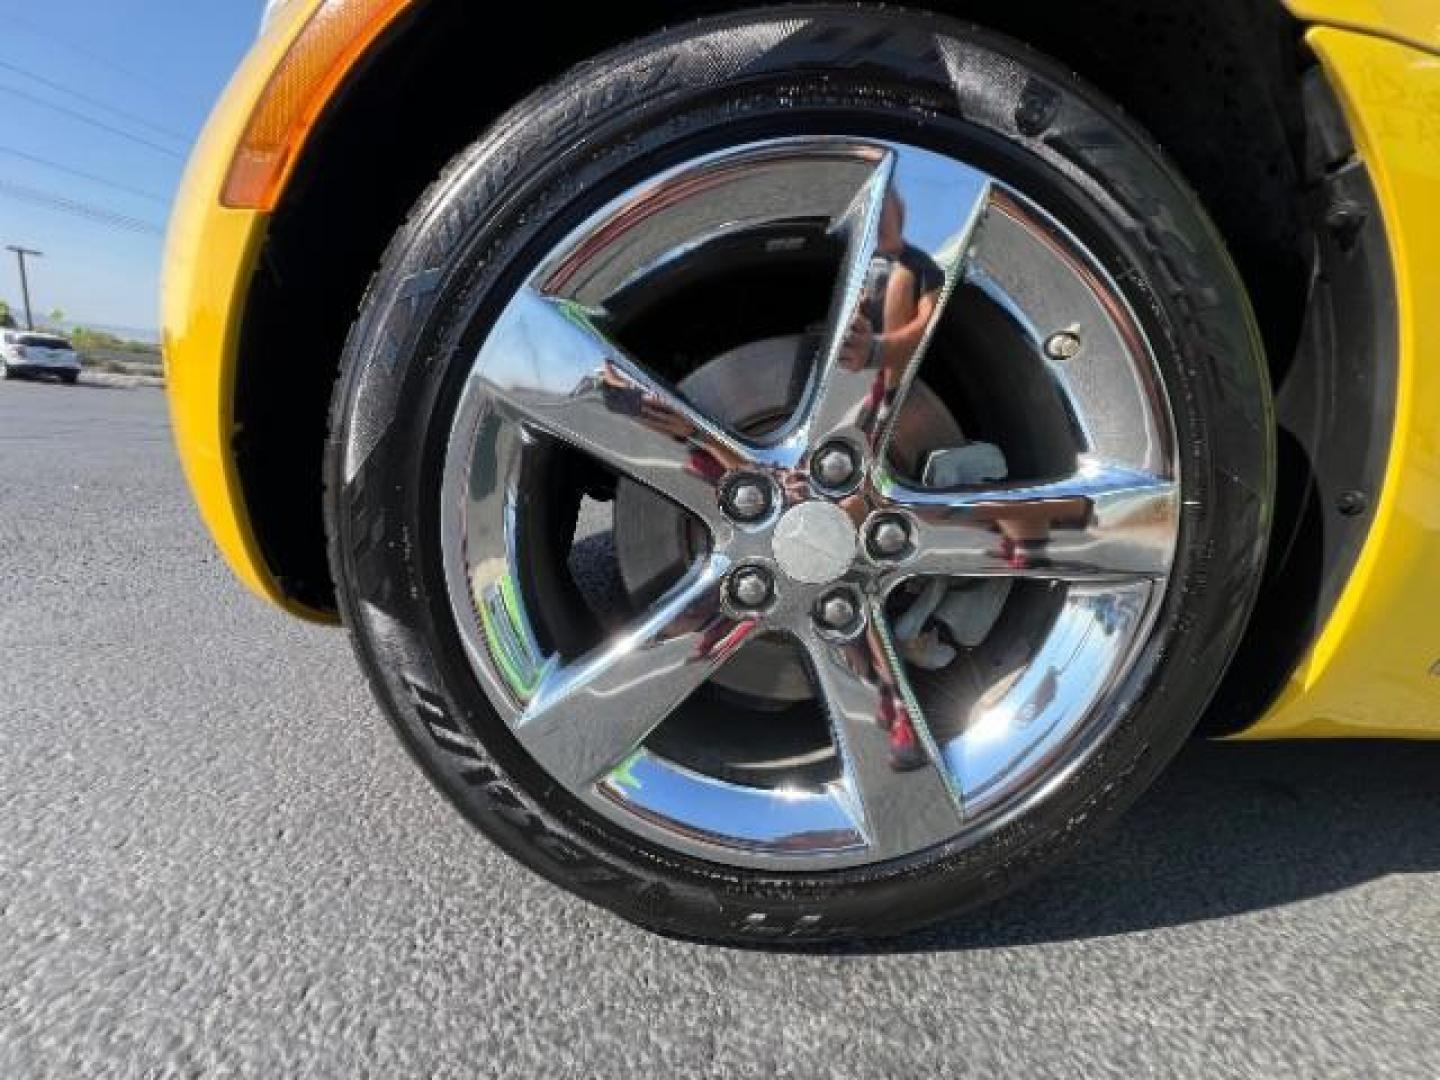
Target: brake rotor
x,y
753,389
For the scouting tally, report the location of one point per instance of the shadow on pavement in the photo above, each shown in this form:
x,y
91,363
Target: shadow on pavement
x,y
1230,829
55,384
90,380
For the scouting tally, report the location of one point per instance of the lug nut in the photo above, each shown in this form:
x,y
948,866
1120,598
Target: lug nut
x,y
1063,346
747,499
837,611
836,465
751,588
889,538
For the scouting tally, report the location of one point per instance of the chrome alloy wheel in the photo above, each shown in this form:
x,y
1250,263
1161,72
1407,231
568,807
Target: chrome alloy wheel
x,y
808,530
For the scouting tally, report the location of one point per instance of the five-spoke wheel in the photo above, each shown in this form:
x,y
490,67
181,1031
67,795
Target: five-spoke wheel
x,y
809,530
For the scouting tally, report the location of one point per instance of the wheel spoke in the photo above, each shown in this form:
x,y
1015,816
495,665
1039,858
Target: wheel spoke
x,y
587,717
907,235
557,371
1104,523
892,771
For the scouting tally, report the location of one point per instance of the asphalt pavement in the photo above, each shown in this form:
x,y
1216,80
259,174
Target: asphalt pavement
x,y
216,861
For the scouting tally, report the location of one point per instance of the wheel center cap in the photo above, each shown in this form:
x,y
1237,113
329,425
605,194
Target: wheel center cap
x,y
815,542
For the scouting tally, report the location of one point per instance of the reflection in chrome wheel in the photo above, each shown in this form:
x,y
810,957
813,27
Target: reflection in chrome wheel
x,y
959,624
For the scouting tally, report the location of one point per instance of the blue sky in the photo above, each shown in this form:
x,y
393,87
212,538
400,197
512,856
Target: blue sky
x,y
150,68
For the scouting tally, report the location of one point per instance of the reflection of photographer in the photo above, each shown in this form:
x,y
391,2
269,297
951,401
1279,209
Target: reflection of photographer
x,y
869,661
902,291
621,394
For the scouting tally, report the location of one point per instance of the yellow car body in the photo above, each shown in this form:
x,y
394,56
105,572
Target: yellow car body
x,y
1372,669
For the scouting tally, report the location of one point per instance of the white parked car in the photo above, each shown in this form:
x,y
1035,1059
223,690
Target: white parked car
x,y
26,352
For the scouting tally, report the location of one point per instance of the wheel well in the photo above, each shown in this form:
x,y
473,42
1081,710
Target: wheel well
x,y
1218,84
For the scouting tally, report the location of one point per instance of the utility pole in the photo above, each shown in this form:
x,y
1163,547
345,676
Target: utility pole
x,y
20,254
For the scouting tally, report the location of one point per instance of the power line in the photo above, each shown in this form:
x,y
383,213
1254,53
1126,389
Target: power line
x,y
97,214
84,119
95,103
31,27
81,174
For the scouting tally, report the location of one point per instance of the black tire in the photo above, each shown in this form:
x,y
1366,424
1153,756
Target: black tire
x,y
70,378
558,155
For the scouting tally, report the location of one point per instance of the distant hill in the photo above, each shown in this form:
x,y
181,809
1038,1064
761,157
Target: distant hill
x,y
135,334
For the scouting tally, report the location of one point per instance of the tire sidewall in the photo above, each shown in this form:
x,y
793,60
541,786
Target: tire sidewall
x,y
520,186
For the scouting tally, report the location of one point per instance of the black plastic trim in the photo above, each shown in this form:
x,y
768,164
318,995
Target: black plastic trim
x,y
1336,410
